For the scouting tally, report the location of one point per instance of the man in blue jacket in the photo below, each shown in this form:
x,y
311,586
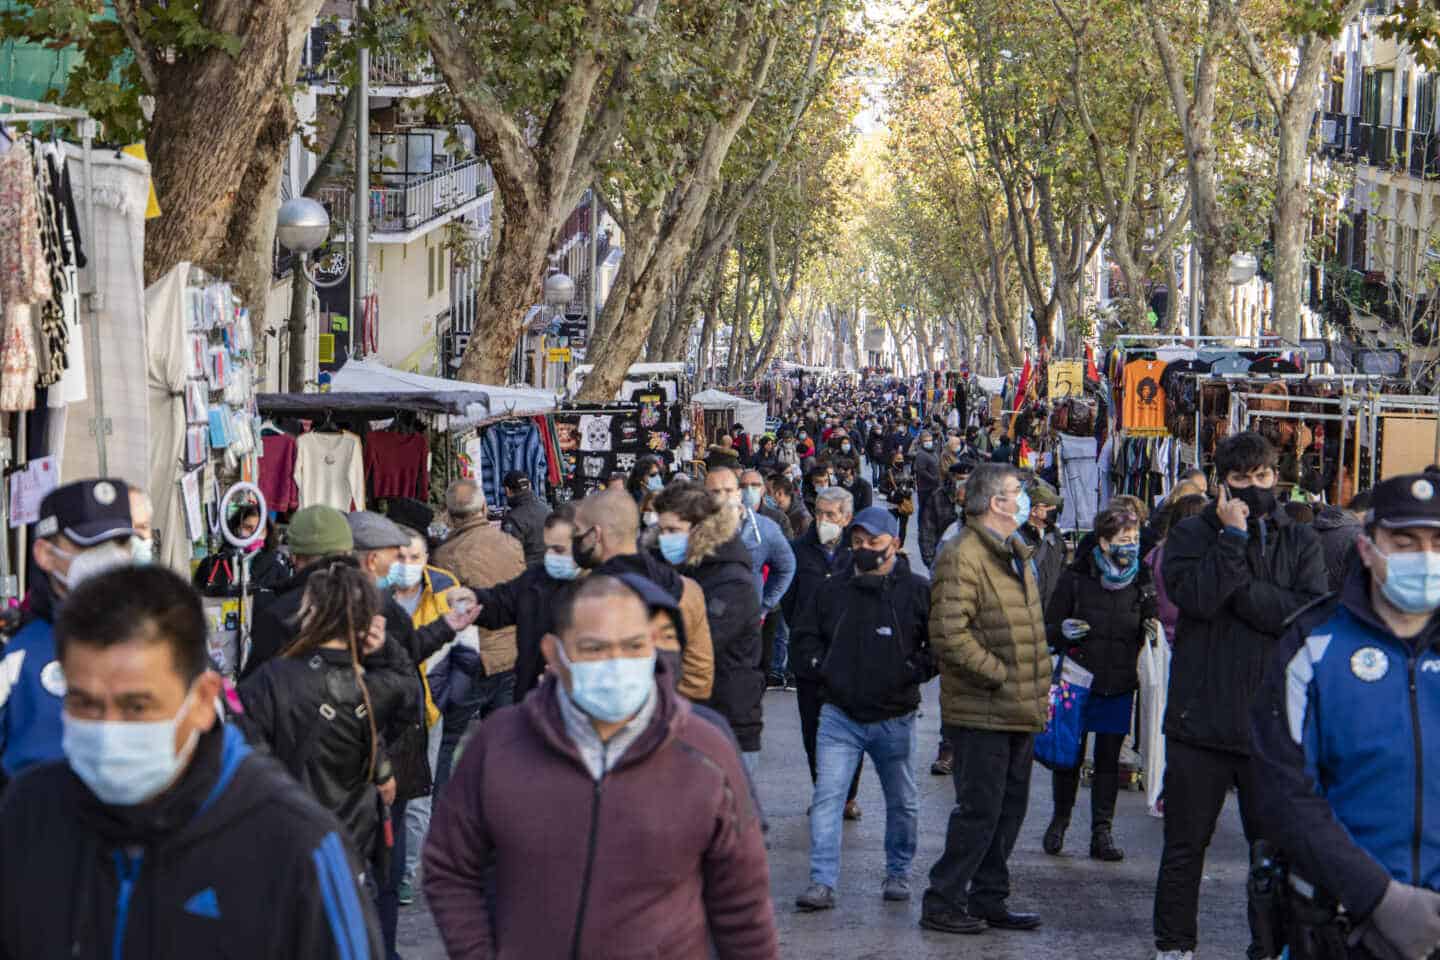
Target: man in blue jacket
x,y
1349,705
163,835
84,529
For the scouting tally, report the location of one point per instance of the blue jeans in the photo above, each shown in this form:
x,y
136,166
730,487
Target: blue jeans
x,y
782,645
839,746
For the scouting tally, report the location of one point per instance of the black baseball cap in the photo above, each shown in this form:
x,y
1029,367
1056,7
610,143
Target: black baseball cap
x,y
87,512
516,480
1411,500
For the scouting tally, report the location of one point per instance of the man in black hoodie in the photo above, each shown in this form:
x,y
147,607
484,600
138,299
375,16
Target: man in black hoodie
x,y
1237,573
152,851
868,639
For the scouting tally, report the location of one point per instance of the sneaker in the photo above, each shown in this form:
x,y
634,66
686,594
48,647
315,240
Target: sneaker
x,y
818,897
1175,955
853,811
896,889
406,893
775,681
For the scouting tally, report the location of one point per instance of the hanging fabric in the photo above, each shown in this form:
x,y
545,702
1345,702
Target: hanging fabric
x,y
330,470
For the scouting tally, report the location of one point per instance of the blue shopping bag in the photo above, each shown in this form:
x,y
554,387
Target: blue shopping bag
x,y
1058,746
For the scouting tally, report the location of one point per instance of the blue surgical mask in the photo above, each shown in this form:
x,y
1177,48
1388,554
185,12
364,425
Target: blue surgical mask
x,y
771,502
674,546
609,690
406,575
561,566
655,482
1022,508
750,496
125,763
392,576
1412,581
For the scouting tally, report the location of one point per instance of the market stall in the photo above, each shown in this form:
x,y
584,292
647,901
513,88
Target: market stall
x,y
669,378
750,414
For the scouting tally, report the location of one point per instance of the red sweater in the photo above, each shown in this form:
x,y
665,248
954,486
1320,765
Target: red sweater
x,y
678,856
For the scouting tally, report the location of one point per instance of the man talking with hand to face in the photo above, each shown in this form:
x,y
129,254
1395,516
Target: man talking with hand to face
x,y
1237,573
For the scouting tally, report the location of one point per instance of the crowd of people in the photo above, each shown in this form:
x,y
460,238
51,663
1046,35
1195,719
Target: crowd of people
x,y
552,725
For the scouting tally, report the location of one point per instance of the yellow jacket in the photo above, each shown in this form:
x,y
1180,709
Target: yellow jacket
x,y
434,584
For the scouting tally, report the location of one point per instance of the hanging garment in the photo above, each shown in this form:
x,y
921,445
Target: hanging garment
x,y
514,445
24,276
1080,482
397,464
1144,398
330,470
277,472
546,425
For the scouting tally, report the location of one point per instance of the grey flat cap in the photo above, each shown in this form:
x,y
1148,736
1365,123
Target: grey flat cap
x,y
374,532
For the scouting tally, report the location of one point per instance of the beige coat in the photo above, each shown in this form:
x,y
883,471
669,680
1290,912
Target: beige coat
x,y
987,627
481,556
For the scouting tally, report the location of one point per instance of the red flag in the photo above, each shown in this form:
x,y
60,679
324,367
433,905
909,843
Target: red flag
x,y
1090,372
1024,383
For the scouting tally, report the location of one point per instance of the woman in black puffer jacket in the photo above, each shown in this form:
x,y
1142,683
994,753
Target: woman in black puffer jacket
x,y
1097,617
701,538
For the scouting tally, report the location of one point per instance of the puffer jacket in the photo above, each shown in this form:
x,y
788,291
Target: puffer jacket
x,y
1117,623
1236,591
987,629
719,561
483,556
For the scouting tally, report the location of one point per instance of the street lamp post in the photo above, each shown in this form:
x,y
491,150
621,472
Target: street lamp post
x,y
302,226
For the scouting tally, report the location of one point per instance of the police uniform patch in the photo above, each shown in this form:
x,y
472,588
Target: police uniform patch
x,y
52,678
104,493
1422,490
1369,664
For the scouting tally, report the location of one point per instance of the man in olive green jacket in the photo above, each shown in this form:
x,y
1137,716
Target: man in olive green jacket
x,y
987,627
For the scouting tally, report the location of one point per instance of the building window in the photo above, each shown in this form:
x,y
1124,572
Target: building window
x,y
430,271
1337,84
1377,97
1425,104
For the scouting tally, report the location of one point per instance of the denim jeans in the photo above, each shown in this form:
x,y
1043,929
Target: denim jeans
x,y
839,745
781,658
484,698
417,811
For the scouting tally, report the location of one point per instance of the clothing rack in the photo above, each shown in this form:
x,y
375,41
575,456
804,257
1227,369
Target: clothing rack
x,y
20,110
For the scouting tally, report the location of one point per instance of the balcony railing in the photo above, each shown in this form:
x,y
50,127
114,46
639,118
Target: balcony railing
x,y
406,205
386,69
1406,151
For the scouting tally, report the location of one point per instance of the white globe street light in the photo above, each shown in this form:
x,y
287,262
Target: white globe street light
x,y
302,227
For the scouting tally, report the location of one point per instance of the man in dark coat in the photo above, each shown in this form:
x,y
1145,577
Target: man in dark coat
x,y
848,477
927,473
868,640
1237,572
525,518
943,508
1040,533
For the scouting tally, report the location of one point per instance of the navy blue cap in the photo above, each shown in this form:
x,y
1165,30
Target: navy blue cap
x,y
1412,500
877,521
87,512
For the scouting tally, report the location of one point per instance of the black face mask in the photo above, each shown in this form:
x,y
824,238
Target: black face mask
x,y
868,561
1260,500
585,556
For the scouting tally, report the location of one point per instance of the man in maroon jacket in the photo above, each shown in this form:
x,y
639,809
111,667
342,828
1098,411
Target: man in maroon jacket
x,y
617,821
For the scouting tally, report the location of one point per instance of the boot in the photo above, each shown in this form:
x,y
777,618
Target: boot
x,y
1103,791
1063,785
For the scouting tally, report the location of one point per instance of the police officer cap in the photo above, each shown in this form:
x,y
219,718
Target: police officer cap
x,y
87,512
1411,500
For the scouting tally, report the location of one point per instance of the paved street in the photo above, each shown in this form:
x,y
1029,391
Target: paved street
x,y
1090,909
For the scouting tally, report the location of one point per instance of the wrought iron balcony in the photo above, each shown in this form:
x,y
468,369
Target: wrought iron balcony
x,y
407,203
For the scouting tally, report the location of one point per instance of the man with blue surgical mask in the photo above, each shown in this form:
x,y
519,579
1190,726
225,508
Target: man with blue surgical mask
x,y
144,842
605,753
1348,711
84,530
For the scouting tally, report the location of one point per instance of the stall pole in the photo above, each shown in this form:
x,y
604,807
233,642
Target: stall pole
x,y
360,276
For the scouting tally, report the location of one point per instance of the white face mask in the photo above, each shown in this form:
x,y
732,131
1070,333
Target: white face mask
x,y
125,763
829,532
91,563
142,551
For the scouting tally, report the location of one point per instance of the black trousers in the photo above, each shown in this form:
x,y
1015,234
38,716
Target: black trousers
x,y
1065,784
992,789
1196,783
807,696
